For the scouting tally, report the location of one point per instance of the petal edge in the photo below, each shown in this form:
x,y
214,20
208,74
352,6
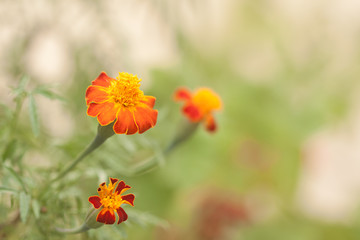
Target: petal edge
x,y
95,201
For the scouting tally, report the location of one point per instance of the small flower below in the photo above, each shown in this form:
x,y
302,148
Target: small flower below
x,y
200,105
111,201
122,101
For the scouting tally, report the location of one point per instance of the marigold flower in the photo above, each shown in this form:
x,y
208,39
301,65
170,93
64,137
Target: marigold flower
x,y
111,200
122,101
200,105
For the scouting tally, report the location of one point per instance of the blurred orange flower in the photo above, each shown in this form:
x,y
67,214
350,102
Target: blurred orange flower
x,y
200,105
121,99
111,200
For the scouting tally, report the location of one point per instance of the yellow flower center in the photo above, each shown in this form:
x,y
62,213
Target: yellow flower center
x,y
125,90
206,100
112,201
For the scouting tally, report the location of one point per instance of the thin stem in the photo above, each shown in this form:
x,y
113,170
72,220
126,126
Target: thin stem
x,y
98,140
186,132
103,133
79,229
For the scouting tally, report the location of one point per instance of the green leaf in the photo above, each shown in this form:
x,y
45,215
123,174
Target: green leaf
x,y
7,189
36,208
17,177
34,119
48,93
20,89
9,150
24,203
23,82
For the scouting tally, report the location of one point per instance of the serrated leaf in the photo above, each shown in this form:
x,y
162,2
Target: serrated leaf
x,y
36,208
17,177
9,150
24,203
48,93
34,118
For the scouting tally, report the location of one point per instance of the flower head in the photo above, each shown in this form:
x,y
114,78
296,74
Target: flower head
x,y
111,199
122,101
200,105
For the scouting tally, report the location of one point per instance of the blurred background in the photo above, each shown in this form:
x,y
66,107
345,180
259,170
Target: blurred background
x,y
284,163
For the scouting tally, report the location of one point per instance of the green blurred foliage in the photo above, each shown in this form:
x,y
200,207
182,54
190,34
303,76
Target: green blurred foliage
x,y
272,118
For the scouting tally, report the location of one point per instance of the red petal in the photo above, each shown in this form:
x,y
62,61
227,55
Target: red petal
x,y
113,180
95,201
122,215
129,199
106,216
182,94
122,187
95,94
192,112
149,100
210,123
145,118
125,122
102,80
108,114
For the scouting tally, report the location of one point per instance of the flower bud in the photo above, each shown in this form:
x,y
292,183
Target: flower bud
x,y
90,220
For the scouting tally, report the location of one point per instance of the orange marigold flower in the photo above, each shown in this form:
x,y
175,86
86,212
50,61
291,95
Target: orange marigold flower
x,y
122,101
111,200
200,105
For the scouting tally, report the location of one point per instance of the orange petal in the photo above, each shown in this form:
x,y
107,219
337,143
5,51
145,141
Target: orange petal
x,y
95,94
129,199
125,123
106,215
107,114
95,109
95,201
122,215
102,80
145,118
182,94
192,112
210,123
149,100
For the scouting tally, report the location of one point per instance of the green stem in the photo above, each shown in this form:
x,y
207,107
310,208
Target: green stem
x,y
98,140
104,132
185,133
82,228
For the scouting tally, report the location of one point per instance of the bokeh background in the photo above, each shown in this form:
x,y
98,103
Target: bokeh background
x,y
285,161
